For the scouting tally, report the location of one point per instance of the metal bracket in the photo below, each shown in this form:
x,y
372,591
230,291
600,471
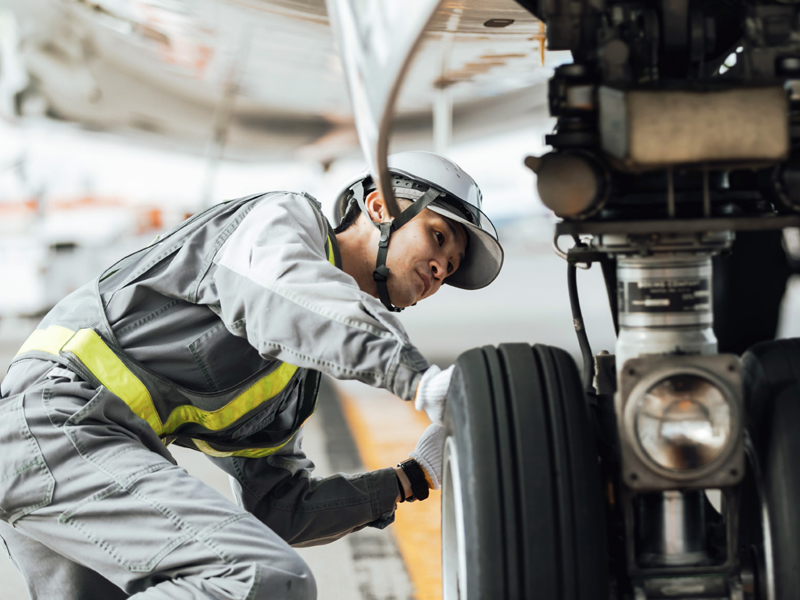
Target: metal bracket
x,y
666,226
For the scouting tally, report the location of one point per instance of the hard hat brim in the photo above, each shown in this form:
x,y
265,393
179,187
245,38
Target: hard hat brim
x,y
484,256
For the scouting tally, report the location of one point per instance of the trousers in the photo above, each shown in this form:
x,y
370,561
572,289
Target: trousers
x,y
92,504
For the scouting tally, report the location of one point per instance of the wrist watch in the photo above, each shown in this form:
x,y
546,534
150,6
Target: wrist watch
x,y
416,476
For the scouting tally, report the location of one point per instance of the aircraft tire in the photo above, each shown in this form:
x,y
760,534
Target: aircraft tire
x,y
773,407
522,508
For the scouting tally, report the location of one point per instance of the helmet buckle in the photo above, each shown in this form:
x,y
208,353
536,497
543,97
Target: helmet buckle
x,y
381,273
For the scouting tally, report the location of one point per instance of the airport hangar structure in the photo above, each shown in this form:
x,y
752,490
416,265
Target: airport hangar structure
x,y
262,79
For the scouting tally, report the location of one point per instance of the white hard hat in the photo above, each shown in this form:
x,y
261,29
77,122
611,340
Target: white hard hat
x,y
460,201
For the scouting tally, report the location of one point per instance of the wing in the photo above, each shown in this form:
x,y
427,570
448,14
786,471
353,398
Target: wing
x,y
261,78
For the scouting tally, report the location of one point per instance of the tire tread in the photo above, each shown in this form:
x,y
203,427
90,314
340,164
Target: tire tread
x,y
519,417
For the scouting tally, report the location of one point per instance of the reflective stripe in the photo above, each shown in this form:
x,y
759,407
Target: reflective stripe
x,y
91,350
206,448
331,258
262,390
107,368
49,340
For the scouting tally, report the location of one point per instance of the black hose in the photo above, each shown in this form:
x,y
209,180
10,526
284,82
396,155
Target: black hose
x,y
577,320
609,267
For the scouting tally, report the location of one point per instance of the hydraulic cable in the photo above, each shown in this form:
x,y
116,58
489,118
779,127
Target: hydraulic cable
x,y
609,267
580,329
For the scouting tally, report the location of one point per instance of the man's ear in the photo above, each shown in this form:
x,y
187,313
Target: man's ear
x,y
376,207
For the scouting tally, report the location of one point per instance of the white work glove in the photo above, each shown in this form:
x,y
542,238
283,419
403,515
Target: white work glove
x,y
431,392
428,455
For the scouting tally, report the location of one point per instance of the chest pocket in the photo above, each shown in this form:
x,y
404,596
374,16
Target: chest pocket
x,y
222,358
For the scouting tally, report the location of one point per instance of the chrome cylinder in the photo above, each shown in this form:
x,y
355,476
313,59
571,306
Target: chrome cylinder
x,y
665,305
671,529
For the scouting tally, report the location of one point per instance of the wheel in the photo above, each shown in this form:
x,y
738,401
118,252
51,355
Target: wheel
x,y
522,509
749,284
770,519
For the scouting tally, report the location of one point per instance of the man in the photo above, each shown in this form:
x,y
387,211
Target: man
x,y
213,338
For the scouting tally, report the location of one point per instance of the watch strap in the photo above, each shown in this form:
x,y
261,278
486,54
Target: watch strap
x,y
416,476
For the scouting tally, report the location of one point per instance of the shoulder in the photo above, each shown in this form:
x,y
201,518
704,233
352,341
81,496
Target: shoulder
x,y
298,208
283,222
301,201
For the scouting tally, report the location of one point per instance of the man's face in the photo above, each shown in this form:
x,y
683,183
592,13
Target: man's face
x,y
422,254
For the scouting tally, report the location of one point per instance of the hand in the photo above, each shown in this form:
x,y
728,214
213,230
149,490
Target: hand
x,y
428,455
432,391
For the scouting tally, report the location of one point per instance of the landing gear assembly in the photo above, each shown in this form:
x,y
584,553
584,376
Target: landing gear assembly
x,y
666,470
557,488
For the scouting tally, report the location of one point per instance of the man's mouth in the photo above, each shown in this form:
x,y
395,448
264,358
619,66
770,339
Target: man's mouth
x,y
426,283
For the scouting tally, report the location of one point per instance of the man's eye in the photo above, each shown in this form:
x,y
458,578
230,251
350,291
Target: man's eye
x,y
449,268
440,238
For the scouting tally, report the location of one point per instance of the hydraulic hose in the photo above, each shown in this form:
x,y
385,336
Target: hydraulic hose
x,y
580,330
609,267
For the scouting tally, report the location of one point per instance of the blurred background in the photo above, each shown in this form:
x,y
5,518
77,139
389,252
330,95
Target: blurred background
x,y
120,118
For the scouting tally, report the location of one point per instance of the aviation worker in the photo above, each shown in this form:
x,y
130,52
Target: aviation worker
x,y
214,338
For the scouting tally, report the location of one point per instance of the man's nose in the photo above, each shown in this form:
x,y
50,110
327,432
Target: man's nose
x,y
439,272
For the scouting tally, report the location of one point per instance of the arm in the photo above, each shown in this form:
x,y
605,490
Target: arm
x,y
276,287
305,510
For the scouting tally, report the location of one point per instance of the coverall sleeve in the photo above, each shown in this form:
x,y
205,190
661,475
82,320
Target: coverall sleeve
x,y
305,510
276,286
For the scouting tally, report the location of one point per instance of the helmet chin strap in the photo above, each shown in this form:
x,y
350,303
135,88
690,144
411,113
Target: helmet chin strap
x,y
381,272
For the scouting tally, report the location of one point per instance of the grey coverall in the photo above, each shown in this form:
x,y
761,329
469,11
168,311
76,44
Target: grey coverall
x,y
223,325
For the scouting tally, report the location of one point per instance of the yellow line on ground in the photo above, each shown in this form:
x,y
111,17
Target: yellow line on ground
x,y
385,430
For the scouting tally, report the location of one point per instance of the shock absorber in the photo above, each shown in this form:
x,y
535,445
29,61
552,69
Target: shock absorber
x,y
665,305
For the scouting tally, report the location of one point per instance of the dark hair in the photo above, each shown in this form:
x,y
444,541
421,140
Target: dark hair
x,y
350,217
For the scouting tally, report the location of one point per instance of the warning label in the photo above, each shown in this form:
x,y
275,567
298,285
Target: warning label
x,y
662,296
